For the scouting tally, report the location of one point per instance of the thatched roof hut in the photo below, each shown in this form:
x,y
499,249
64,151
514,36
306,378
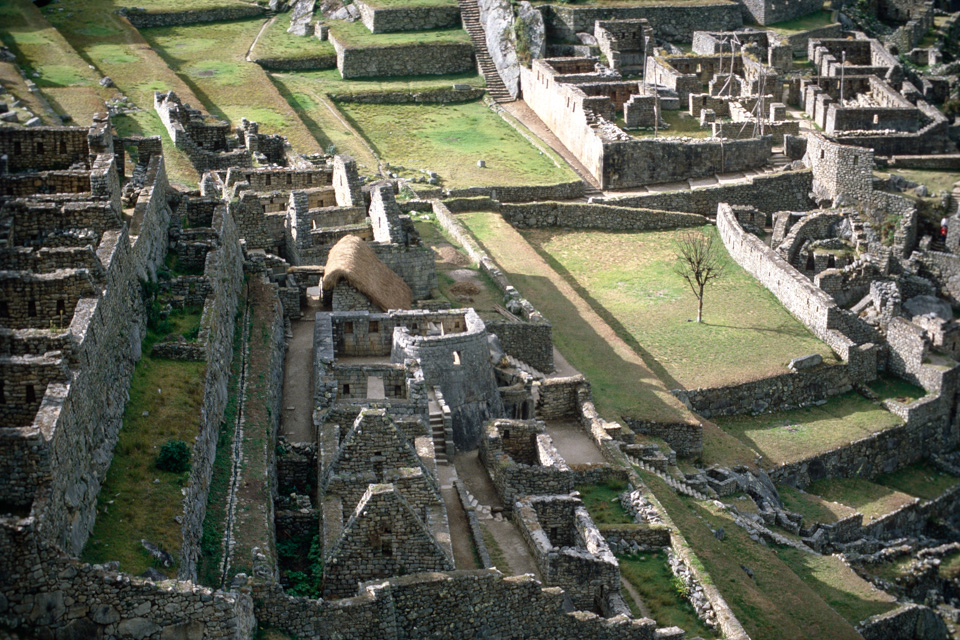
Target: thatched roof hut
x,y
353,260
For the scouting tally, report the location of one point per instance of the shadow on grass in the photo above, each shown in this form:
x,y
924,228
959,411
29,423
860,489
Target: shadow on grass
x,y
315,130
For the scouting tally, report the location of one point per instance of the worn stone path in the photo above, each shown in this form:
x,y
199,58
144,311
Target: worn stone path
x,y
296,421
460,537
573,443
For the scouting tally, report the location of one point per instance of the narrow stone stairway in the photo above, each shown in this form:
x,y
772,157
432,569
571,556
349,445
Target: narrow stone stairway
x,y
439,439
470,14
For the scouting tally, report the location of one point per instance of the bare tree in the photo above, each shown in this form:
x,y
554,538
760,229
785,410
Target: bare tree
x,y
699,261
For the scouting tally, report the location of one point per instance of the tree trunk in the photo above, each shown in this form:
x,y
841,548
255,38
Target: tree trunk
x,y
700,306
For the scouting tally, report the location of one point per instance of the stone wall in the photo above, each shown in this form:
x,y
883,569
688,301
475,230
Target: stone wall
x,y
528,193
143,19
768,11
307,63
674,23
410,60
578,215
906,622
683,437
390,19
778,393
54,594
456,93
224,273
44,148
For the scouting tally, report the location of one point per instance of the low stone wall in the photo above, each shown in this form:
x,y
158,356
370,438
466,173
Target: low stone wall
x,y
640,534
798,41
528,342
947,162
143,19
409,60
456,604
427,96
387,20
882,452
309,63
56,595
534,193
906,622
785,191
777,393
675,23
558,398
685,438
577,215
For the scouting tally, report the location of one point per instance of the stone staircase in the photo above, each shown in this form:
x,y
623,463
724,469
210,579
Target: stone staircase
x,y
470,14
680,487
439,437
519,365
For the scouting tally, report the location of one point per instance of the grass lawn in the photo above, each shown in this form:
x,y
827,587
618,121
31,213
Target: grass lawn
x,y
650,575
936,181
497,557
681,124
138,500
48,60
180,5
603,504
813,508
210,57
847,593
888,387
405,4
789,436
355,35
450,139
776,603
12,81
275,42
814,20
921,479
117,50
870,499
635,288
622,383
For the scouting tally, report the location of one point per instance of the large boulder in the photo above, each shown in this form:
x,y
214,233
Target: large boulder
x,y
532,29
496,16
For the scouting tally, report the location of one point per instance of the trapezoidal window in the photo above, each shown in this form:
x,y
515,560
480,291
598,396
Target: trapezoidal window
x,y
456,358
346,389
348,327
63,146
374,326
39,148
289,178
269,180
32,308
31,394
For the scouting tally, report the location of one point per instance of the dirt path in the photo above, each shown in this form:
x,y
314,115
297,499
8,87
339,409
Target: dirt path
x,y
257,39
296,422
574,445
633,593
515,551
584,337
460,536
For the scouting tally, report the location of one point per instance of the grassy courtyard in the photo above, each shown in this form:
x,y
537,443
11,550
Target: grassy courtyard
x,y
275,42
137,500
634,287
815,20
211,59
450,139
788,436
812,507
355,35
869,498
921,479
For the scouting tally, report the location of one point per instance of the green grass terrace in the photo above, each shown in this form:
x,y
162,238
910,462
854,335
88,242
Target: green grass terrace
x,y
408,4
784,437
275,42
815,20
868,498
629,279
449,139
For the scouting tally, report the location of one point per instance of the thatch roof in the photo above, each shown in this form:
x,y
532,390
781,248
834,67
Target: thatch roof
x,y
352,259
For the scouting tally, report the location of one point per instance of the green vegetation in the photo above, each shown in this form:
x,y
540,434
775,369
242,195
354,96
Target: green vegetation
x,y
810,21
870,499
301,565
813,508
137,500
603,503
497,556
275,42
847,593
404,4
680,123
354,35
156,6
635,289
650,575
450,139
174,457
775,603
935,181
921,479
622,384
950,566
211,58
788,436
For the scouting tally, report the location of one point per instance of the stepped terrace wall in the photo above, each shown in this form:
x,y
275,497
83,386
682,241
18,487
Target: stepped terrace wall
x,y
675,23
143,19
769,193
409,60
44,148
594,216
386,20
